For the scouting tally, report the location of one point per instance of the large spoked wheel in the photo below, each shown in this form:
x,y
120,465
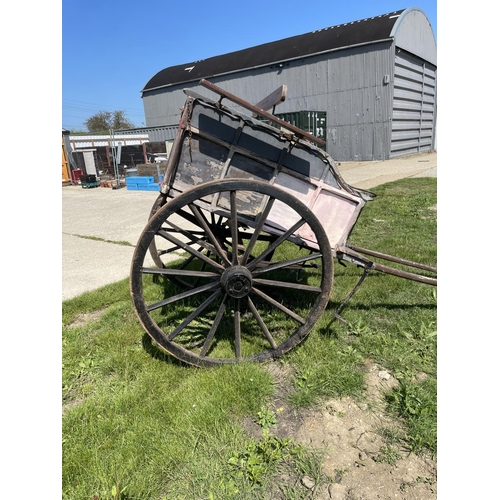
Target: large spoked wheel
x,y
162,251
241,287
156,254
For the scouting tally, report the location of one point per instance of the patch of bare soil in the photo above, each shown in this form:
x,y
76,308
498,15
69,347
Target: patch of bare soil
x,y
84,318
357,459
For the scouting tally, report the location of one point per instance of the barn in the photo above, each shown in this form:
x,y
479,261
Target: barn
x,y
368,87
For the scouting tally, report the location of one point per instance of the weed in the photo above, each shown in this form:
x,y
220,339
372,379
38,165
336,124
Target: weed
x,y
339,474
387,455
261,460
416,403
266,418
95,238
261,457
426,480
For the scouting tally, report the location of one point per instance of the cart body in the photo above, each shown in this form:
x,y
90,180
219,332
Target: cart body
x,y
215,142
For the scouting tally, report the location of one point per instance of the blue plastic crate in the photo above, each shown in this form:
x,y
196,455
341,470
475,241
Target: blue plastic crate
x,y
150,187
145,180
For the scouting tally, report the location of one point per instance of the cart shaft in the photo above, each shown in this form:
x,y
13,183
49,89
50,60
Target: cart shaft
x,y
354,254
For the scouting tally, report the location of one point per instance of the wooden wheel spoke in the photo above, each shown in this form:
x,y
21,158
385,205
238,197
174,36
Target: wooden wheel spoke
x,y
281,307
234,228
204,223
192,236
237,329
201,242
261,323
215,325
276,243
180,272
160,253
287,284
257,230
187,216
191,250
287,263
172,227
193,315
183,295
188,261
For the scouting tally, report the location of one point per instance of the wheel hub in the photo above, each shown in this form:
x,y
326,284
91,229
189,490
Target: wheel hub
x,y
237,281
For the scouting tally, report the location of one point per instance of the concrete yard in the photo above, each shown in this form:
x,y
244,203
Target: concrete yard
x,y
101,226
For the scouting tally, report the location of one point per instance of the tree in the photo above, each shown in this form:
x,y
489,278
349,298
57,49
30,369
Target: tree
x,y
103,121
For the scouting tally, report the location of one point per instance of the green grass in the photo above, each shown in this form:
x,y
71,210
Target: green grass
x,y
137,424
95,238
392,321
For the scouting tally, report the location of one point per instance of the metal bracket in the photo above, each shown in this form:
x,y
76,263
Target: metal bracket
x,y
366,270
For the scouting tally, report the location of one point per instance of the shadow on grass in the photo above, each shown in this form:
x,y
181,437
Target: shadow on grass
x,y
379,307
157,352
329,329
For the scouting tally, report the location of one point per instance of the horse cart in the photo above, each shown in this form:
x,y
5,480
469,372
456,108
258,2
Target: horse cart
x,y
236,260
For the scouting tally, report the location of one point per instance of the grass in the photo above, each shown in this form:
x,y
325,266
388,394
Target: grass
x,y
95,238
137,424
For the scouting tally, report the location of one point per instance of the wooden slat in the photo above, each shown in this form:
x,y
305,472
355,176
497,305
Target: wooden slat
x,y
273,99
244,104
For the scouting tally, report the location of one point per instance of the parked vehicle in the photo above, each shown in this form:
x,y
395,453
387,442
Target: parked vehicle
x,y
247,211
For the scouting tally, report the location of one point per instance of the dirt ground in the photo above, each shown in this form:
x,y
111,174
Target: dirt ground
x,y
356,455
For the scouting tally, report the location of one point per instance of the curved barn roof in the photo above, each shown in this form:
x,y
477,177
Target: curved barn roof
x,y
360,32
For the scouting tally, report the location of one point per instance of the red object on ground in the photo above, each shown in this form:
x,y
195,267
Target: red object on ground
x,y
76,174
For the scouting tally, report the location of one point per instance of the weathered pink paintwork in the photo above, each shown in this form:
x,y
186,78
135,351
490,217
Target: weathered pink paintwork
x,y
215,143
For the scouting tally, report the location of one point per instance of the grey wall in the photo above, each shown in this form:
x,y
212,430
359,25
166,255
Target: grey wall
x,y
347,84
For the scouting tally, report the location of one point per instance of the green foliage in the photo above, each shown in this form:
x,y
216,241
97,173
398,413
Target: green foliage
x,y
267,418
387,455
260,457
416,403
260,460
103,121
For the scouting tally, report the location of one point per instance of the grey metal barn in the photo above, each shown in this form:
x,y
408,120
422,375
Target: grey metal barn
x,y
367,87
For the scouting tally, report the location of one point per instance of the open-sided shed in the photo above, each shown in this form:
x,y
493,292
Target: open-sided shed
x,y
367,87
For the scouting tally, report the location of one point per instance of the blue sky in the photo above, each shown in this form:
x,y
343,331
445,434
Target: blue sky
x,y
111,49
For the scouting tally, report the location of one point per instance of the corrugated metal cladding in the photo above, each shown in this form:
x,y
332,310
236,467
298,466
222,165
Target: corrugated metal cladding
x,y
413,120
373,81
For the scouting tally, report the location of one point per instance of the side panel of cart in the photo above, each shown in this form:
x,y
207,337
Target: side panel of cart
x,y
213,144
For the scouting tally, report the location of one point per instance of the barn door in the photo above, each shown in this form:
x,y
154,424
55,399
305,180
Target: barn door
x,y
414,105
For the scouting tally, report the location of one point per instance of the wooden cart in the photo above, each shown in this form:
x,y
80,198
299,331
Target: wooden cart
x,y
236,260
